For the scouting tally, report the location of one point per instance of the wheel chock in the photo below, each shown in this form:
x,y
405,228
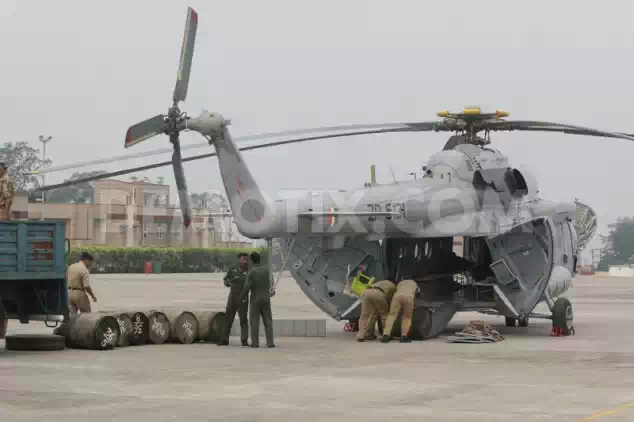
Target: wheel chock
x,y
559,332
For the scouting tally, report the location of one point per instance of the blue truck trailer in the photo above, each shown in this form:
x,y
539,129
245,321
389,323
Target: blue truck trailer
x,y
33,271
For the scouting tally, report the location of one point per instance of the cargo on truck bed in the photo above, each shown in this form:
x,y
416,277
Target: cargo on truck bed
x,y
33,270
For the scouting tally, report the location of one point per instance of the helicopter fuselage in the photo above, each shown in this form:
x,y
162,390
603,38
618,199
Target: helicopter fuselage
x,y
525,247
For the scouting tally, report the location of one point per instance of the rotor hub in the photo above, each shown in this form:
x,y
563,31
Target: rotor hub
x,y
472,121
173,122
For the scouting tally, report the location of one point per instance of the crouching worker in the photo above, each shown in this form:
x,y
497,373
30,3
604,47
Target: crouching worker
x,y
403,300
375,304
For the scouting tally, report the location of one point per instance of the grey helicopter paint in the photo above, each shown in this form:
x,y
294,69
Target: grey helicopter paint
x,y
525,246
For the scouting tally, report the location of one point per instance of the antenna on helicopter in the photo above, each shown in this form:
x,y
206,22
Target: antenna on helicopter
x,y
393,177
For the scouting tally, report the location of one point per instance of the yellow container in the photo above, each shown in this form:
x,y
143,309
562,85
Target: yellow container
x,y
360,283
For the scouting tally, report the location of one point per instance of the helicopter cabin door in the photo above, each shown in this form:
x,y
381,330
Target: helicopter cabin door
x,y
522,263
325,273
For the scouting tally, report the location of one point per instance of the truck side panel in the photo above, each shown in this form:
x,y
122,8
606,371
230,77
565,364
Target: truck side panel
x,y
32,250
33,270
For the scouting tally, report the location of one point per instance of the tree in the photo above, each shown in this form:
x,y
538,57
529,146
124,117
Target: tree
x,y
20,158
618,245
82,193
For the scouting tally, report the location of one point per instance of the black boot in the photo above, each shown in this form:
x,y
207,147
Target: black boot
x,y
223,343
245,343
406,340
386,339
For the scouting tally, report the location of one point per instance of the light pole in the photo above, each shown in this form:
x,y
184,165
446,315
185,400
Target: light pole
x,y
44,141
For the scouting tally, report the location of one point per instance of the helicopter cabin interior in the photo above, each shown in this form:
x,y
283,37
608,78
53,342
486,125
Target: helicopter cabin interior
x,y
442,267
514,262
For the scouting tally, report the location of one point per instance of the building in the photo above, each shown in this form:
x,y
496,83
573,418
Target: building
x,y
134,214
621,271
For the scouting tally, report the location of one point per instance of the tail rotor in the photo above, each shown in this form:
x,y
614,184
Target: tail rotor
x,y
175,121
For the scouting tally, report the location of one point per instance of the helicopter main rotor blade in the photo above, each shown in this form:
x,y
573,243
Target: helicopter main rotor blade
x,y
145,130
213,154
239,139
404,127
536,126
187,55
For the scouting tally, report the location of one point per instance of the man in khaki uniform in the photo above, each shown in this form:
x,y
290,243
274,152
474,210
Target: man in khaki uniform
x,y
6,193
403,300
375,303
78,276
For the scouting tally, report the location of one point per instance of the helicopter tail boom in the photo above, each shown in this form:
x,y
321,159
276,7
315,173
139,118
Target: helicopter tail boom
x,y
254,215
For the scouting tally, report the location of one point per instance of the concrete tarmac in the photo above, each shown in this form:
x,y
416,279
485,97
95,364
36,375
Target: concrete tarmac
x,y
530,376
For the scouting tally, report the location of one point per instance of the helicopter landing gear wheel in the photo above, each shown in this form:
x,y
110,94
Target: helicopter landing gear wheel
x,y
522,322
510,322
562,318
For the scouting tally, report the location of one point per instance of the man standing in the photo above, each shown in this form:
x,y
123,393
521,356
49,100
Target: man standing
x,y
78,276
375,303
7,192
403,299
236,279
259,284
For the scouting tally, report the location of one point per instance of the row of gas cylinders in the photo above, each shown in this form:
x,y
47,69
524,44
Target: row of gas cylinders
x,y
108,330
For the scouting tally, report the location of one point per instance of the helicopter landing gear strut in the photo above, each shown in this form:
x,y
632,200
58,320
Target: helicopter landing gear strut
x,y
521,322
561,316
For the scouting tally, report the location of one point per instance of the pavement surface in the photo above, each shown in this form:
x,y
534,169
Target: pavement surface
x,y
529,376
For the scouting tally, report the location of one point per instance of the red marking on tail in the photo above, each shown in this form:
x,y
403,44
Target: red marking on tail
x,y
128,136
239,187
187,222
194,16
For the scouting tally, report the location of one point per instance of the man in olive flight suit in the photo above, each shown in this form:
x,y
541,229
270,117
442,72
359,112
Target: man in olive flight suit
x,y
375,303
236,279
259,284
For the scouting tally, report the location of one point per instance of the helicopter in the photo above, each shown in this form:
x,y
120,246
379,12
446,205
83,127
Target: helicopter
x,y
523,248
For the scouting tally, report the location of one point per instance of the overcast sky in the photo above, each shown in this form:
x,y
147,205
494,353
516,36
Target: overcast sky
x,y
83,72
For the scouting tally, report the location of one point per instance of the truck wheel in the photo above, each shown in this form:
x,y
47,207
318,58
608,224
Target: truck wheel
x,y
562,316
510,322
35,342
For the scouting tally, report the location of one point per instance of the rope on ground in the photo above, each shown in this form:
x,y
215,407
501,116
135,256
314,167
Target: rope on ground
x,y
476,332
